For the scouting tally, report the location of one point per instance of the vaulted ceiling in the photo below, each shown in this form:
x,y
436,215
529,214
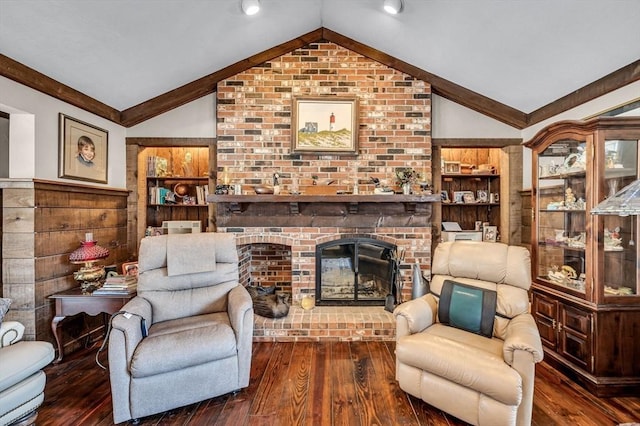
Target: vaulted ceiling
x,y
128,60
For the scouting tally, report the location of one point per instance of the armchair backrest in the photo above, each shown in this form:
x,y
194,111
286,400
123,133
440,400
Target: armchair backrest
x,y
495,266
184,275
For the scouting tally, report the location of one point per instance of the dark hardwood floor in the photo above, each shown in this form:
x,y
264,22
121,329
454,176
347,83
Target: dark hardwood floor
x,y
338,383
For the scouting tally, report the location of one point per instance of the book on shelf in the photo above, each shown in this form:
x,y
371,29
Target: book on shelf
x,y
158,194
201,193
157,166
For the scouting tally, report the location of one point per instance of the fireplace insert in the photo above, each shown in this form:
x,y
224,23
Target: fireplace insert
x,y
354,271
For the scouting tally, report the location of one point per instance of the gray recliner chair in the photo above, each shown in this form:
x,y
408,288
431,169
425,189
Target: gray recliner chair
x,y
473,360
22,380
200,327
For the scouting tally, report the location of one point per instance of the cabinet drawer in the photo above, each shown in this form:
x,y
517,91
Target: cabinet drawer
x,y
542,305
576,319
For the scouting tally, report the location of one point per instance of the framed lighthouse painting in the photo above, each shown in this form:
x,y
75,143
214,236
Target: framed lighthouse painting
x,y
325,124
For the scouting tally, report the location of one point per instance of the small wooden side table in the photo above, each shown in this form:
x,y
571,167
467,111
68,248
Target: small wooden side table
x,y
74,301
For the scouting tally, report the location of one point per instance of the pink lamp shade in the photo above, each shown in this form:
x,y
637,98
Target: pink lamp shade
x,y
88,252
89,275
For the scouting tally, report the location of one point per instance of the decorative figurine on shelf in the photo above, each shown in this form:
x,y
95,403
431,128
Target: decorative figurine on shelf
x,y
379,188
612,240
579,241
225,187
276,183
187,165
426,187
569,199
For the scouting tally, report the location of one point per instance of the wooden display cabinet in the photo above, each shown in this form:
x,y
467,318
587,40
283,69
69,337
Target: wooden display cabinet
x,y
586,277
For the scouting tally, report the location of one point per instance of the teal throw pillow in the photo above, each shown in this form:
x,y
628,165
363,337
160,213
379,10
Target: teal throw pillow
x,y
467,307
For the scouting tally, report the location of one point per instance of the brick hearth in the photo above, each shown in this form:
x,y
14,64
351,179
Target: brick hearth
x,y
338,323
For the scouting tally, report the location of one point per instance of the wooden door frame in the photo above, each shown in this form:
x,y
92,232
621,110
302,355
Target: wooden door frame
x,y
510,182
136,210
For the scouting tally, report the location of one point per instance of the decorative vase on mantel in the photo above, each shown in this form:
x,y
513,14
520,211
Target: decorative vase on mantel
x,y
406,188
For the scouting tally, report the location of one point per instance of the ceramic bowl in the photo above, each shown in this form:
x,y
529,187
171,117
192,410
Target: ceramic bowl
x,y
263,189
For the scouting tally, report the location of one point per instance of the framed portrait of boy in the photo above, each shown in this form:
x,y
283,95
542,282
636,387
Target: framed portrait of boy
x,y
83,152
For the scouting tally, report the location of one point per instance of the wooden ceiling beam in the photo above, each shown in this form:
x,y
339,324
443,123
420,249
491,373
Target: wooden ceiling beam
x,y
610,82
29,77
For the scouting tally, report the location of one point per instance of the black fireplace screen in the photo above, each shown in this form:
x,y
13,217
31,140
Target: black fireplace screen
x,y
354,271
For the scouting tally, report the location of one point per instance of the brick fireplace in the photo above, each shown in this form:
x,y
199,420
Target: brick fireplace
x,y
399,221
254,141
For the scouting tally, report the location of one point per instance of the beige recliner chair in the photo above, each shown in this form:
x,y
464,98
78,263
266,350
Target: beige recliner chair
x,y
452,366
200,327
22,380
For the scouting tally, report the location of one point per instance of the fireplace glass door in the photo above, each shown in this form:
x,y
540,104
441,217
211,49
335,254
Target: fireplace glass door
x,y
354,271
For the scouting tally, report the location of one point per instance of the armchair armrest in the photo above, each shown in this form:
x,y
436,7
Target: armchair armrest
x,y
415,315
240,308
522,334
129,327
10,333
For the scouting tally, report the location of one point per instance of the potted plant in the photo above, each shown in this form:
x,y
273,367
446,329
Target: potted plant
x,y
405,178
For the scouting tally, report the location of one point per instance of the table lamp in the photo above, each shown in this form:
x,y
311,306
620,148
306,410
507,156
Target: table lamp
x,y
88,252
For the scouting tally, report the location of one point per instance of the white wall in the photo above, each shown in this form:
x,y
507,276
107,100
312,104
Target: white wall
x,y
33,145
193,120
451,120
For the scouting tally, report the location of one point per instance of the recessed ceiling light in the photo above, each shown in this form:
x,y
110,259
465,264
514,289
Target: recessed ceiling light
x,y
250,7
393,6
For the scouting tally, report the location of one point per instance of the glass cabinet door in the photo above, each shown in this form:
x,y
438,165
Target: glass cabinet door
x,y
561,214
620,231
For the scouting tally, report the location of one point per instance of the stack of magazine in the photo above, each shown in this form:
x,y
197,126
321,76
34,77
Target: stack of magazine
x,y
118,285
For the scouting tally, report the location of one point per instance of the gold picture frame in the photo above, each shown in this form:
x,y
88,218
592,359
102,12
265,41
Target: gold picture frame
x,y
130,268
324,125
83,151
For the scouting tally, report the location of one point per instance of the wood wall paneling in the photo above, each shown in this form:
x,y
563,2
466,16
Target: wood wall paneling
x,y
42,223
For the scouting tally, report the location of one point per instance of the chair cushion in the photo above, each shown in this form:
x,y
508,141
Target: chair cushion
x,y
22,360
22,398
478,364
467,307
180,250
183,343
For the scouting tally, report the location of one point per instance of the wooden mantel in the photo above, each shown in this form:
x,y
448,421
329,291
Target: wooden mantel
x,y
323,210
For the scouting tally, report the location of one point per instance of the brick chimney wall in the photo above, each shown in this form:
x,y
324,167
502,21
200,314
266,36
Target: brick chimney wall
x,y
254,140
254,118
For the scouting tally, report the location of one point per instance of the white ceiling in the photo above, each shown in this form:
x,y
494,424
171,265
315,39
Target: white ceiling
x,y
523,53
